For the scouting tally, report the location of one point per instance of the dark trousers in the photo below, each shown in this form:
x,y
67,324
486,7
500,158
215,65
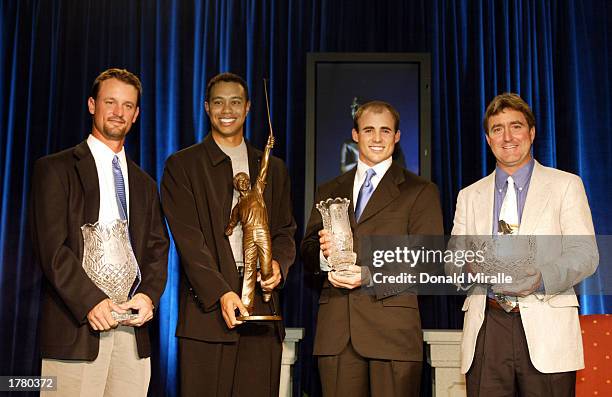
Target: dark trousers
x,y
250,367
349,374
502,366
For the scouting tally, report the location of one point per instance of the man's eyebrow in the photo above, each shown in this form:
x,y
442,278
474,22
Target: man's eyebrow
x,y
230,97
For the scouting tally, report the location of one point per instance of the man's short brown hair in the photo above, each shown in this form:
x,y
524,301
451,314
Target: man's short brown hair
x,y
508,100
226,77
120,74
376,107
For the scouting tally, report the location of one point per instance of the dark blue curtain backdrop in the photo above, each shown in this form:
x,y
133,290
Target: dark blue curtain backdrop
x,y
556,54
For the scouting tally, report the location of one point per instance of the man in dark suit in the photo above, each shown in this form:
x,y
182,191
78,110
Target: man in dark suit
x,y
80,340
219,355
368,338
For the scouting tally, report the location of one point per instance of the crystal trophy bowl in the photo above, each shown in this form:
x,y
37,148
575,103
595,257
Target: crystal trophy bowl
x,y
109,261
334,213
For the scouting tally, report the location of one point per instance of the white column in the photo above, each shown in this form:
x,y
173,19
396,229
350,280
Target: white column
x,y
444,354
292,337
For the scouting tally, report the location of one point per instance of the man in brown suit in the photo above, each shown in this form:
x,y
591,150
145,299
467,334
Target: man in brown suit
x,y
81,343
220,356
368,336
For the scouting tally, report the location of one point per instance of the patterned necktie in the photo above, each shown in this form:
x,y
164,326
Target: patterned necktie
x,y
364,193
119,189
509,210
508,224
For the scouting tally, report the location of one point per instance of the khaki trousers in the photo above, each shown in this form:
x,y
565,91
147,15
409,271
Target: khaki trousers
x,y
117,371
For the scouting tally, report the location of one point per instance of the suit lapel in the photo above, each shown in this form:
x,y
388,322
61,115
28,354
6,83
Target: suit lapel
x,y
537,199
88,174
220,169
483,206
386,191
137,198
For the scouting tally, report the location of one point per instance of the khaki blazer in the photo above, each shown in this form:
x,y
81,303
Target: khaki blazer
x,y
381,322
556,204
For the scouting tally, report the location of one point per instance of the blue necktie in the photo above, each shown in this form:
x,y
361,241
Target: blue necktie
x,y
119,189
364,193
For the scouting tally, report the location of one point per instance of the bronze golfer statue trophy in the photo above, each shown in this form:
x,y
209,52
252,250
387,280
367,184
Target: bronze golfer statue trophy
x,y
251,213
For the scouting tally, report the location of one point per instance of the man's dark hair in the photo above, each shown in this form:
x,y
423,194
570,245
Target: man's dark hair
x,y
120,74
226,77
508,100
376,107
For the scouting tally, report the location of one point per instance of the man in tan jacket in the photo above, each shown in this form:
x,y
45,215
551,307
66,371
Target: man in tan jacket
x,y
525,340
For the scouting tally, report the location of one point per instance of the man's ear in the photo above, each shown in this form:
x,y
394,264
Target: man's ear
x,y
355,135
91,105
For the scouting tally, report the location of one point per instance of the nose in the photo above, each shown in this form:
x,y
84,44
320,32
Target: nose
x,y
507,135
118,110
377,136
226,108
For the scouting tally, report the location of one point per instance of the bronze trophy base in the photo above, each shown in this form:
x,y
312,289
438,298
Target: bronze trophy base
x,y
268,317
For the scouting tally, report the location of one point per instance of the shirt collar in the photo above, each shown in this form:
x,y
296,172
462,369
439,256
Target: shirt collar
x,y
520,176
102,152
380,168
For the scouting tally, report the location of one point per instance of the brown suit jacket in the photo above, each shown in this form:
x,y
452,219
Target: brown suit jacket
x,y
197,198
65,195
382,323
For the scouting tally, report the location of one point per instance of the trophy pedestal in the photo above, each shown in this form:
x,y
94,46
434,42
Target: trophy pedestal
x,y
268,317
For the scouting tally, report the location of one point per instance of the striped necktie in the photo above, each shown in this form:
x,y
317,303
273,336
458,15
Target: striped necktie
x,y
119,189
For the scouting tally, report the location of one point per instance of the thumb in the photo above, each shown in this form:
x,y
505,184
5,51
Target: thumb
x,y
119,308
241,308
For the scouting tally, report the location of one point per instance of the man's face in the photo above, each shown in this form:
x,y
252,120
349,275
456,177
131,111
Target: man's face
x,y
227,109
376,137
510,139
114,110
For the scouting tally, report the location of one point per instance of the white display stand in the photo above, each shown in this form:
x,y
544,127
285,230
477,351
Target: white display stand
x,y
292,337
443,354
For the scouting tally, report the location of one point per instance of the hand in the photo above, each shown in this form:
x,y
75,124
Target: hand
x,y
100,317
229,303
143,304
326,242
229,230
270,143
348,280
522,287
271,282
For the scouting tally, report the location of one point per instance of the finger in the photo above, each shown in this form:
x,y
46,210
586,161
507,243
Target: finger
x,y
122,308
93,324
242,309
227,318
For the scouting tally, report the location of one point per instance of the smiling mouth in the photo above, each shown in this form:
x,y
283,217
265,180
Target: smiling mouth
x,y
509,147
227,121
377,149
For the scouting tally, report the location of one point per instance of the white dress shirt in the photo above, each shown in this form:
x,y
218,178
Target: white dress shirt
x,y
103,156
